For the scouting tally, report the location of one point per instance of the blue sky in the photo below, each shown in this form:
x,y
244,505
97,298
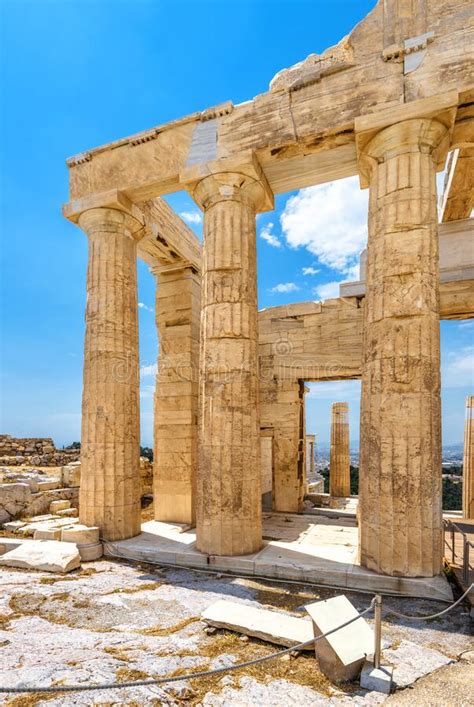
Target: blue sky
x,y
76,74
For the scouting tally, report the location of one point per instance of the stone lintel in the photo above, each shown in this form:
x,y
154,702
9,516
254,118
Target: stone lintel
x,y
246,163
174,267
456,262
441,107
113,199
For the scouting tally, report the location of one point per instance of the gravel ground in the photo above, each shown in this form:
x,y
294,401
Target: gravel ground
x,y
113,621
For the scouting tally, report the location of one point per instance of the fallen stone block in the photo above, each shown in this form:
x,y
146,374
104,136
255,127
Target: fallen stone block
x,y
87,540
49,484
342,654
71,474
67,513
47,534
56,506
46,555
265,624
14,525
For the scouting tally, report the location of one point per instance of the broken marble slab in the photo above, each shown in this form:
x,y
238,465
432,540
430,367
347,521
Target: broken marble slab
x,y
272,626
412,661
46,555
342,654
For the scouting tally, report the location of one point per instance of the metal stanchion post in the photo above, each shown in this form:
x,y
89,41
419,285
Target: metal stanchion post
x,y
465,561
378,630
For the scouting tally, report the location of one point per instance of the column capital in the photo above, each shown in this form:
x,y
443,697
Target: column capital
x,y
102,218
112,206
230,179
424,135
425,125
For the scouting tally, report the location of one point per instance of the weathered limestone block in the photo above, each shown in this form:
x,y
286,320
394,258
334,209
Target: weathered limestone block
x,y
49,484
146,476
67,513
178,309
110,452
339,462
56,506
71,474
86,539
400,479
46,555
39,503
228,512
47,534
342,654
13,499
468,461
265,624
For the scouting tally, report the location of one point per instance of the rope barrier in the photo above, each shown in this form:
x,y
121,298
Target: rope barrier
x,y
188,676
430,616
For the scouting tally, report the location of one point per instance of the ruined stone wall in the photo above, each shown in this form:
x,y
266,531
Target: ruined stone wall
x,y
33,451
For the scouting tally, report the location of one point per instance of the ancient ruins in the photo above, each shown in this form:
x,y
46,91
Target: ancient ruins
x,y
393,102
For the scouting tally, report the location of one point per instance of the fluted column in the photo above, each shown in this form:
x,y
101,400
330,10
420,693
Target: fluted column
x,y
400,461
339,460
228,508
110,442
468,461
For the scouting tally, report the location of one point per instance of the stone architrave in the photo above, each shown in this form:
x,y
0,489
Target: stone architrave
x,y
400,462
339,462
110,449
228,508
468,461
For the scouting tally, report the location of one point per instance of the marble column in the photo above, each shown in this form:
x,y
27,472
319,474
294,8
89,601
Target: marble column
x,y
178,309
339,460
468,461
400,460
110,441
228,508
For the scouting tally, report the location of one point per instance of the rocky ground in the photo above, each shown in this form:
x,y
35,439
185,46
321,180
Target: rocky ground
x,y
112,621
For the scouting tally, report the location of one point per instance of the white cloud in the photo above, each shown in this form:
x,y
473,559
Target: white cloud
x,y
329,290
339,391
330,220
191,216
267,235
459,369
147,391
467,324
353,273
310,271
285,287
142,305
148,370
